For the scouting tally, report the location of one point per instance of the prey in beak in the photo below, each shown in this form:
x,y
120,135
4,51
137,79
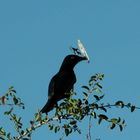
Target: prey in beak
x,y
80,51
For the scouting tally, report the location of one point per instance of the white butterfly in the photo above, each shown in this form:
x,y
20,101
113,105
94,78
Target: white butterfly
x,y
82,50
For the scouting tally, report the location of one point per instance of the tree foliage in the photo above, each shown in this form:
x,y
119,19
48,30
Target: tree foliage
x,y
67,115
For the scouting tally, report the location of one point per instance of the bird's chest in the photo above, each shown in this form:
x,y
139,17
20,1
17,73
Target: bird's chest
x,y
65,82
68,79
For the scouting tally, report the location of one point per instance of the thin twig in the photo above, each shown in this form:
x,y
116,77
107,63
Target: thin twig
x,y
39,125
89,129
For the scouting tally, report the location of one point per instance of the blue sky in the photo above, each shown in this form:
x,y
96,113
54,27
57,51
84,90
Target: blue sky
x,y
35,37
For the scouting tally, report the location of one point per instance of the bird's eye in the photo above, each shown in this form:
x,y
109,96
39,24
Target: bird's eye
x,y
72,57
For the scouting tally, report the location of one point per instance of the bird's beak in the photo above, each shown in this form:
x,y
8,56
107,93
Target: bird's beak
x,y
88,60
85,58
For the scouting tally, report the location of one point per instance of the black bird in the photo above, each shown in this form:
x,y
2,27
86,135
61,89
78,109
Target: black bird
x,y
62,83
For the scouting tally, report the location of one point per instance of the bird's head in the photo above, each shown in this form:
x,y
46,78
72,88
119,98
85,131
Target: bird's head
x,y
70,61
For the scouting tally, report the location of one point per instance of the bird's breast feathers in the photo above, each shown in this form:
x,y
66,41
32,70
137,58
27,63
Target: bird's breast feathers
x,y
61,83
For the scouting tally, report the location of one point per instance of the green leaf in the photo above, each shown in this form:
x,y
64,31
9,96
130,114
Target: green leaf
x,y
133,108
97,90
102,116
100,120
101,76
112,126
13,90
2,138
22,132
85,94
129,104
70,130
25,139
67,131
123,122
73,122
9,135
93,105
10,88
119,103
86,87
79,102
37,117
114,120
93,78
99,85
32,122
56,129
8,112
29,135
121,127
96,97
119,120
15,100
94,114
103,108
101,97
2,132
50,126
86,102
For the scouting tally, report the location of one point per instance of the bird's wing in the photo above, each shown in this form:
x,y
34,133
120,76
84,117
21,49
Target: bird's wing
x,y
51,87
60,84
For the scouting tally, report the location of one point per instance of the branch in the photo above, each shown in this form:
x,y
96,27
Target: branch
x,y
89,129
41,122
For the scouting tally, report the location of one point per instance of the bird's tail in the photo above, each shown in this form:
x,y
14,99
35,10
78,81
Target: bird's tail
x,y
48,107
